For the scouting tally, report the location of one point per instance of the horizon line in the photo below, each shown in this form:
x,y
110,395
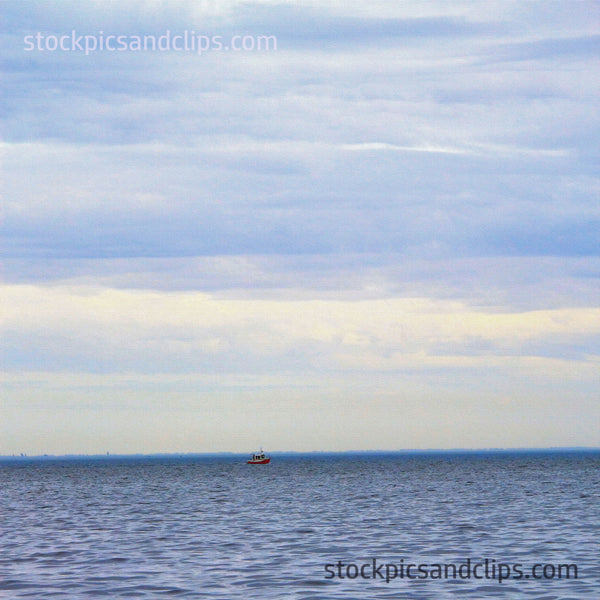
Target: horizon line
x,y
309,452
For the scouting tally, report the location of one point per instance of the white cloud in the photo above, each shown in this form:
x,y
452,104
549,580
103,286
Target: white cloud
x,y
190,331
401,199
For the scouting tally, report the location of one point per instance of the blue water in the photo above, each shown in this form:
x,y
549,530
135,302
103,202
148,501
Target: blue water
x,y
195,527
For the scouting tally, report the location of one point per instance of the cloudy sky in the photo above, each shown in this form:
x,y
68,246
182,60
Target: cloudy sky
x,y
381,234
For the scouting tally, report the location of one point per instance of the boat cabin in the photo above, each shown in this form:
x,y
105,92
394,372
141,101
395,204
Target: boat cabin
x,y
259,458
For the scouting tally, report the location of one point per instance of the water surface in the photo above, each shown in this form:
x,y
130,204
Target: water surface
x,y
214,527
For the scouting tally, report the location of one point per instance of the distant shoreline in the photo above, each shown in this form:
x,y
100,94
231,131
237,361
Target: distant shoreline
x,y
313,454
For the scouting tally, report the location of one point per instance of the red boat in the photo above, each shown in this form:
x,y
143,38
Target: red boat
x,y
259,458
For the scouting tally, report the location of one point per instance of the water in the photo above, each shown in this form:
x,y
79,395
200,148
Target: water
x,y
217,528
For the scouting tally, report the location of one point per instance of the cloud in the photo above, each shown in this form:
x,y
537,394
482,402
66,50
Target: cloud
x,y
307,26
92,368
585,46
384,203
105,330
508,284
248,196
368,146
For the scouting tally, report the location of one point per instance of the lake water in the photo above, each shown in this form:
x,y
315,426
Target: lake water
x,y
214,527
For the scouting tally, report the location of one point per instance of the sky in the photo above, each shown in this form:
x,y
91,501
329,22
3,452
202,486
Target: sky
x,y
382,232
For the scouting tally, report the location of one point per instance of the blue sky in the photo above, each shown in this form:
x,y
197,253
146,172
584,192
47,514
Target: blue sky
x,y
383,234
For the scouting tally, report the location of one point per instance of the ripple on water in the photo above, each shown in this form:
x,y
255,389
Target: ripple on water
x,y
214,529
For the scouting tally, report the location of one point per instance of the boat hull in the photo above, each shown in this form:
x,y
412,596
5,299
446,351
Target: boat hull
x,y
264,461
